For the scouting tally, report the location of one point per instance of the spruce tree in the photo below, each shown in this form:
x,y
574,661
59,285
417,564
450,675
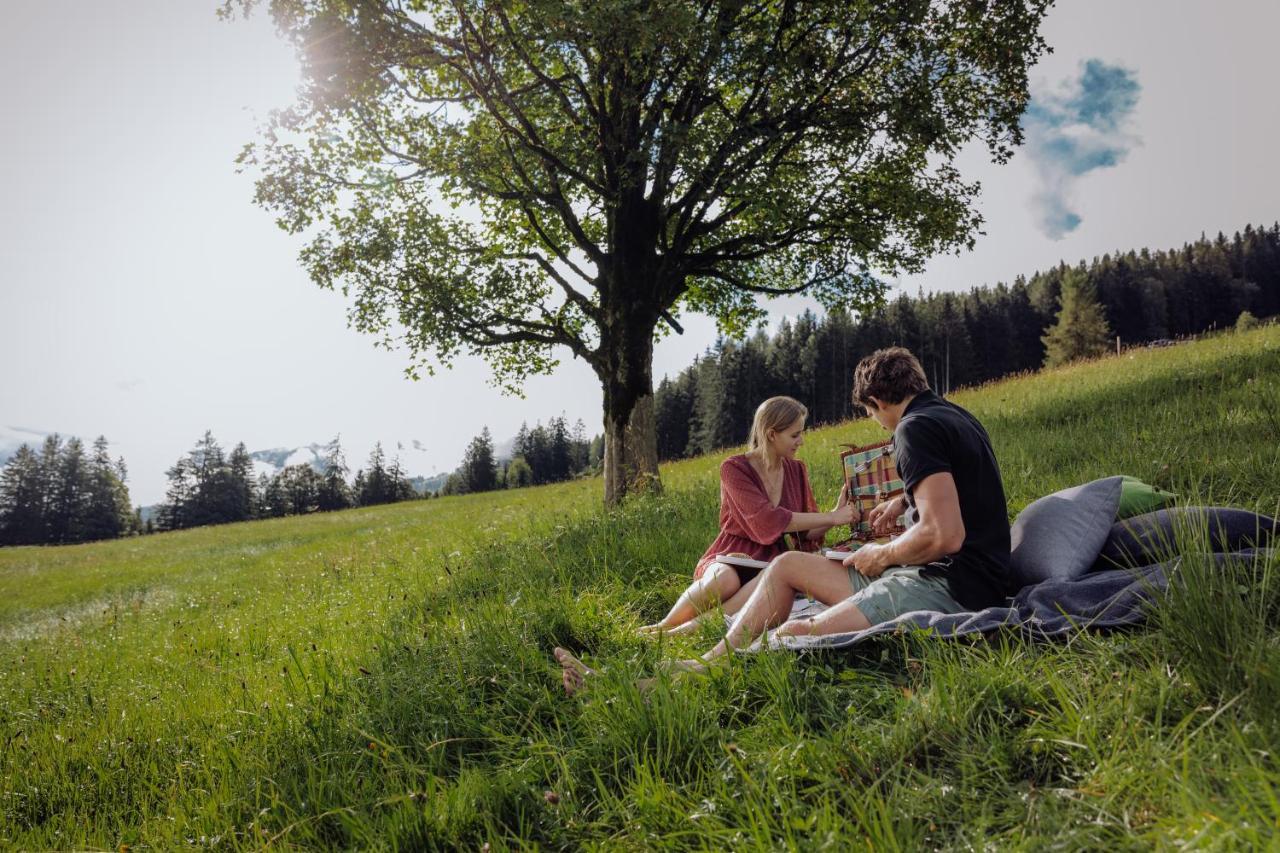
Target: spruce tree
x,y
375,488
399,487
478,471
560,450
1027,328
50,467
520,446
108,513
1081,330
709,428
358,487
212,502
673,410
298,488
70,498
581,448
176,511
22,500
334,492
275,500
537,452
240,495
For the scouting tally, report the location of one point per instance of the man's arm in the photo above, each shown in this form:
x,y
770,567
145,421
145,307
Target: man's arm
x,y
939,532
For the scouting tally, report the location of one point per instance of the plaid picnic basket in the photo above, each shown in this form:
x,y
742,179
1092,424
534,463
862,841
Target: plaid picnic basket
x,y
871,474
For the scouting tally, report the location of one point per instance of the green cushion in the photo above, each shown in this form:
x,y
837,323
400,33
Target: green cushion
x,y
1137,498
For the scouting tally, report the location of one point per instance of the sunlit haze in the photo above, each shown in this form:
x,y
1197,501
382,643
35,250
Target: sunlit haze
x,y
146,298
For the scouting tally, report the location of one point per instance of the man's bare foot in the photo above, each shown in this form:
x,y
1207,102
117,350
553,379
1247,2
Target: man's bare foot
x,y
654,630
573,672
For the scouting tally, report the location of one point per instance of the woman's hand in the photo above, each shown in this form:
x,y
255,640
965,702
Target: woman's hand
x,y
845,513
883,516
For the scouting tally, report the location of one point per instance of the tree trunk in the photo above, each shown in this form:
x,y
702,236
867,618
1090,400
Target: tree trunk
x,y
630,452
630,433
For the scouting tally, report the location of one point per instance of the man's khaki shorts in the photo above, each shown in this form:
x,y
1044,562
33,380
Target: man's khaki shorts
x,y
900,590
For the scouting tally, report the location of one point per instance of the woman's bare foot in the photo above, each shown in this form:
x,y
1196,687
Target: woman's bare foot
x,y
679,667
573,672
672,669
690,627
660,630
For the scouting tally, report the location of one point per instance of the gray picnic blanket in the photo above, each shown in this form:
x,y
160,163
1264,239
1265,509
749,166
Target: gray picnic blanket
x,y
1132,571
1103,599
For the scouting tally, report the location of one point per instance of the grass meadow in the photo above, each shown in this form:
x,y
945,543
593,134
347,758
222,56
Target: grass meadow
x,y
382,678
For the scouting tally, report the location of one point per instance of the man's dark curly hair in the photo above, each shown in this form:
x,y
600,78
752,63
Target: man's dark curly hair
x,y
890,375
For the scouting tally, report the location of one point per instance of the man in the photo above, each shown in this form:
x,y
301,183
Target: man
x,y
954,558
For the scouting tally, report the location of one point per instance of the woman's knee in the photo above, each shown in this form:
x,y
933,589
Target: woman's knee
x,y
722,579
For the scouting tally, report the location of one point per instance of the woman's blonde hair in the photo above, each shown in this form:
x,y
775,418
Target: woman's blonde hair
x,y
776,413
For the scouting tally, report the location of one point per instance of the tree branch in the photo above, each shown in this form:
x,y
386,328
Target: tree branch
x,y
481,66
551,84
779,133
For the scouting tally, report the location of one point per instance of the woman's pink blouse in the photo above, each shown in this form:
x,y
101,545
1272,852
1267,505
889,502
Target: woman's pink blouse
x,y
749,523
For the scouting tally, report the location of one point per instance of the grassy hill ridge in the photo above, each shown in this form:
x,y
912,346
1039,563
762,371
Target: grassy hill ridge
x,y
380,677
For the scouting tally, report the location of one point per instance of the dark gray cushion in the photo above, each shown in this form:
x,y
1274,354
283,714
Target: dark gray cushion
x,y
1151,538
1058,537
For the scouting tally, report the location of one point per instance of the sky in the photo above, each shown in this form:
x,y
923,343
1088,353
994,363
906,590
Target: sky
x,y
144,297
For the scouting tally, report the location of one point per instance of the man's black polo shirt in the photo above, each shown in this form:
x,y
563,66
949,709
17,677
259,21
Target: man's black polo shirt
x,y
936,435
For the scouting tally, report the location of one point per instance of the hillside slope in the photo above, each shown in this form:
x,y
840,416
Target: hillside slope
x,y
381,677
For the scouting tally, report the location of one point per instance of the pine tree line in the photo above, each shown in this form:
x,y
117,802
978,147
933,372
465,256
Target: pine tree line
x,y
61,495
965,339
544,454
206,486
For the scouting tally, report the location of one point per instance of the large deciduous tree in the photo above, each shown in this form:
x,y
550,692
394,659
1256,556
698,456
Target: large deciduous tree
x,y
509,178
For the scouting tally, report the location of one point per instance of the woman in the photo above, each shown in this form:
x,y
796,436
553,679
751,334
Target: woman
x,y
764,494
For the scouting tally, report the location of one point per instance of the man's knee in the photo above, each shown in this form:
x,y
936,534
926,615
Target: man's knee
x,y
786,565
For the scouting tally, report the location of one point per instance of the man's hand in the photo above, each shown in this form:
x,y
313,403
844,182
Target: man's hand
x,y
883,515
870,560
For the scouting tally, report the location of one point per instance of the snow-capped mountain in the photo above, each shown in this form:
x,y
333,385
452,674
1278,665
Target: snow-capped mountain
x,y
275,460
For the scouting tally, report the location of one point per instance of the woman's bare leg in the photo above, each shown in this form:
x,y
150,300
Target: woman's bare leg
x,y
770,604
739,599
730,606
767,605
718,582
